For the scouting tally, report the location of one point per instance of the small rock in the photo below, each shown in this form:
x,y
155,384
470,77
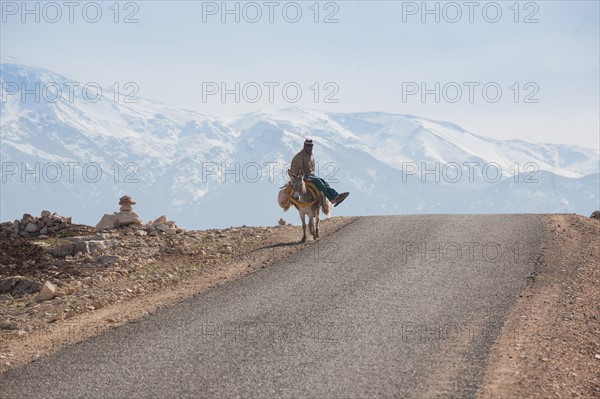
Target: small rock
x,y
27,218
125,218
94,246
108,259
83,247
171,231
31,228
64,250
226,250
45,214
162,227
57,317
161,220
8,325
44,231
47,291
107,222
18,286
595,215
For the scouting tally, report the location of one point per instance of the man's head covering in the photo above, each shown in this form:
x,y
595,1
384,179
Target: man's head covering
x,y
308,142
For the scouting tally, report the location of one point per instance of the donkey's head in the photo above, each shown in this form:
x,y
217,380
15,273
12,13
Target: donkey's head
x,y
298,182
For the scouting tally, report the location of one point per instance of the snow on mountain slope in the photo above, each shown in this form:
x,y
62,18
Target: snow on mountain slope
x,y
406,138
208,171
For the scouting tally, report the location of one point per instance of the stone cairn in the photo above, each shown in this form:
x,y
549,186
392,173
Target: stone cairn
x,y
131,223
32,226
126,204
125,217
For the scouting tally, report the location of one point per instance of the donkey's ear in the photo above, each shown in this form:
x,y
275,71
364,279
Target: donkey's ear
x,y
289,173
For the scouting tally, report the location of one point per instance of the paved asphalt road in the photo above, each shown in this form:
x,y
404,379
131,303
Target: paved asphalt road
x,y
404,306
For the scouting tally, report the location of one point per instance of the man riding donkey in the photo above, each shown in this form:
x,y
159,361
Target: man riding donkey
x,y
305,162
308,192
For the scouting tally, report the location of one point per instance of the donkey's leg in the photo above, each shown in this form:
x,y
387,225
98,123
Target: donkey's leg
x,y
317,223
311,222
303,227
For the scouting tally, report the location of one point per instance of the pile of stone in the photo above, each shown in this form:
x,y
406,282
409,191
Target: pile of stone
x,y
130,223
125,217
162,226
32,226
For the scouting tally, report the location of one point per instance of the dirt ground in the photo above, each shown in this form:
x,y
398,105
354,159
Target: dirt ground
x,y
550,344
125,276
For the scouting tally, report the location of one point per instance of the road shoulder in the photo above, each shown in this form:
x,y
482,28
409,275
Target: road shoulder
x,y
550,343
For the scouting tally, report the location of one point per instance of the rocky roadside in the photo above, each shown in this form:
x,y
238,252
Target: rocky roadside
x,y
60,289
550,343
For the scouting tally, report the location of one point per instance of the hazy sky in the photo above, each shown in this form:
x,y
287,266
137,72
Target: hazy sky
x,y
371,56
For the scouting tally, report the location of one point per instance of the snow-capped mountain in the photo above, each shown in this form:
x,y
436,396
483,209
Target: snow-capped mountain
x,y
76,153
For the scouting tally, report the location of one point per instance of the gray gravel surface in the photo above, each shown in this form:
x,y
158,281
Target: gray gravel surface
x,y
394,306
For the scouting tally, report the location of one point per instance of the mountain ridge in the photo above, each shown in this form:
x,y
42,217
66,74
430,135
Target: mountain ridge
x,y
195,166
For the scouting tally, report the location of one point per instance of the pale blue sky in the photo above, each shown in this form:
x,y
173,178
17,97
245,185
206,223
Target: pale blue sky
x,y
369,53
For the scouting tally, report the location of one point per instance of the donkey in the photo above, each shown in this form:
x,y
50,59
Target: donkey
x,y
308,204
